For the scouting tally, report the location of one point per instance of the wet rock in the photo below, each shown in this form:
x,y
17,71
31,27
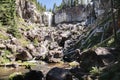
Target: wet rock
x,y
23,55
59,74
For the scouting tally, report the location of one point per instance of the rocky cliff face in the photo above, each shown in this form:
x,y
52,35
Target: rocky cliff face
x,y
70,15
83,12
28,11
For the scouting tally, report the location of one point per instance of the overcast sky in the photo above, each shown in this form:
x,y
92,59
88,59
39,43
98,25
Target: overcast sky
x,y
49,3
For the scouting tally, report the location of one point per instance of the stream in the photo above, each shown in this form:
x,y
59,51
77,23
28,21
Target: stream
x,y
5,72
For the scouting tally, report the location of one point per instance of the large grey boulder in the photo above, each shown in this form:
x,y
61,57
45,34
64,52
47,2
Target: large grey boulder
x,y
105,54
23,55
59,74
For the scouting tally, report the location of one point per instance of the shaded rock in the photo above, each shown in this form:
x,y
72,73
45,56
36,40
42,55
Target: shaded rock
x,y
78,73
2,46
59,74
34,75
88,59
106,56
23,55
72,56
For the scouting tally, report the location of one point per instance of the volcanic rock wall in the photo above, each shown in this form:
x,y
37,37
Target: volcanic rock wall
x,y
82,12
27,10
70,14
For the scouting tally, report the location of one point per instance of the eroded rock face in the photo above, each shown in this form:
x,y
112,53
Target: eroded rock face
x,y
27,10
58,74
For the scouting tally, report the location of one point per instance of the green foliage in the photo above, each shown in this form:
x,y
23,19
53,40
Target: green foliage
x,y
14,31
112,73
16,76
70,3
95,71
35,42
4,59
3,36
39,6
117,3
7,9
7,52
8,16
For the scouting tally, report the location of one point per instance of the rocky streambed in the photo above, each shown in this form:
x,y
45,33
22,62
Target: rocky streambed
x,y
51,50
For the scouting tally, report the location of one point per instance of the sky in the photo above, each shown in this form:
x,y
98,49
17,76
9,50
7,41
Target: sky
x,y
49,3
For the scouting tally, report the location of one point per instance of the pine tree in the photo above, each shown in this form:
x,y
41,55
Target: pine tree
x,y
54,7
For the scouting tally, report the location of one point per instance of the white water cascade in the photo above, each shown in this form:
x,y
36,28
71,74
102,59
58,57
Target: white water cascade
x,y
49,17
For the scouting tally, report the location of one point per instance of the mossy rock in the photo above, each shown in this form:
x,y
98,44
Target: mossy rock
x,y
16,76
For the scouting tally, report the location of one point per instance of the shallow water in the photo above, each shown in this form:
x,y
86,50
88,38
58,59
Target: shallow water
x,y
6,71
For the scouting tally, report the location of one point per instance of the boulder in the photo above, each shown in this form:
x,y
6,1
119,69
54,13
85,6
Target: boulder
x,y
2,46
11,47
105,54
41,51
14,41
72,56
88,59
59,74
23,55
54,56
34,75
66,34
30,35
31,47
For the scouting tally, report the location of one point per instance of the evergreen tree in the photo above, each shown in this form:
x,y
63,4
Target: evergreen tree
x,y
54,7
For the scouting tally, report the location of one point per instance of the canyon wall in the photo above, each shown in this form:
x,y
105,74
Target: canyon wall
x,y
70,14
27,10
85,12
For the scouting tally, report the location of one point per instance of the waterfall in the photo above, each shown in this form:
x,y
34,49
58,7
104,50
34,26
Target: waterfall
x,y
49,16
